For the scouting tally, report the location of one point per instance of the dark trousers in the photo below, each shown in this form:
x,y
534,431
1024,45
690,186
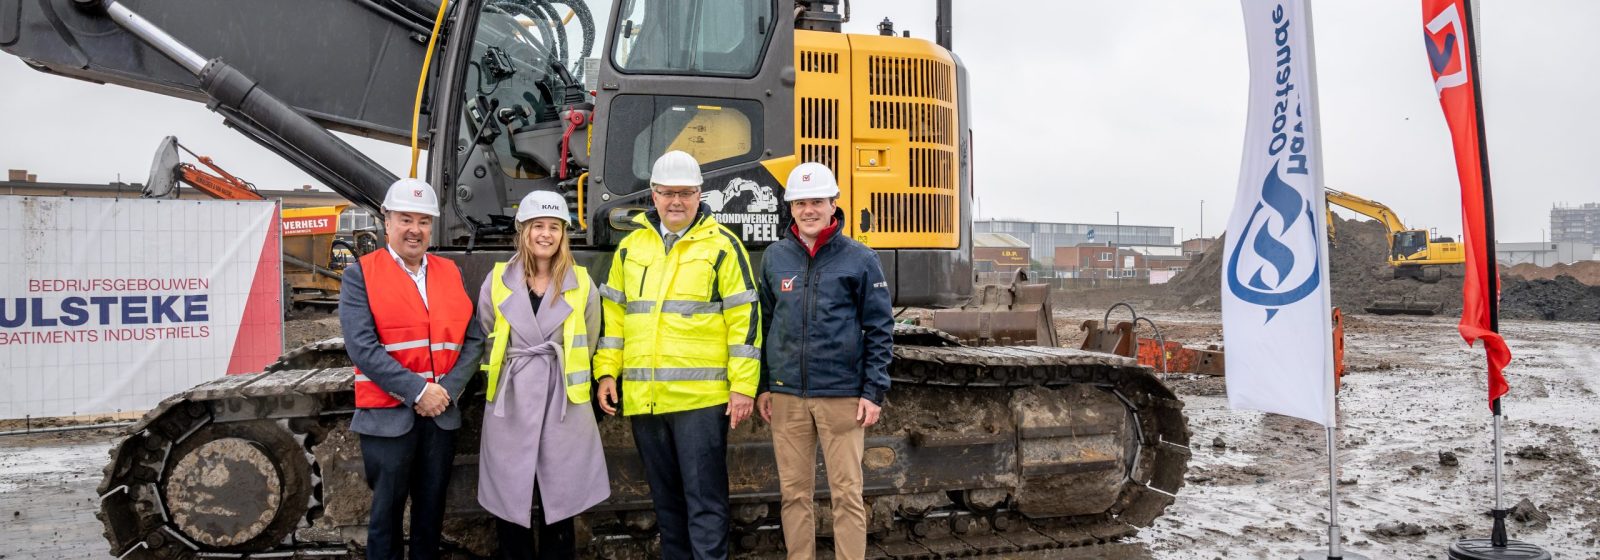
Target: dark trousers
x,y
415,464
685,458
556,541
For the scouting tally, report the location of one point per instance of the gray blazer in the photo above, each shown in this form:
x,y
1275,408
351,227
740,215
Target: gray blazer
x,y
361,342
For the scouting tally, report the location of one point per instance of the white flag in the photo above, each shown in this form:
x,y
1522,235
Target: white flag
x,y
1275,304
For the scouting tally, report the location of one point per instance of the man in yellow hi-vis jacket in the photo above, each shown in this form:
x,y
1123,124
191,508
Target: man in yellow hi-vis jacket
x,y
683,329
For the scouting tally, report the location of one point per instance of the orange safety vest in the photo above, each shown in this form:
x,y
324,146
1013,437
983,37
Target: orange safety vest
x,y
425,339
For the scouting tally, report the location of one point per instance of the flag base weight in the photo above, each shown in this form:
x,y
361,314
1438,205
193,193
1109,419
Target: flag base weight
x,y
1484,549
1322,554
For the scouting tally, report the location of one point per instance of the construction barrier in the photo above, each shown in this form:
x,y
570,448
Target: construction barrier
x,y
110,305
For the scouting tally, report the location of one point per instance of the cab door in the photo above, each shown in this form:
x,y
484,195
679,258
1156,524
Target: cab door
x,y
714,78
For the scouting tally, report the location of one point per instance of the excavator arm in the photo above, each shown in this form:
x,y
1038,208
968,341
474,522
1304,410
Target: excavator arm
x,y
1367,207
344,65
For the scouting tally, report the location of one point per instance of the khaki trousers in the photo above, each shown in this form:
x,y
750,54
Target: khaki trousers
x,y
796,425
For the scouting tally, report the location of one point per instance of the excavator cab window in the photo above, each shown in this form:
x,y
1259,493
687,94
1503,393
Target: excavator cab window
x,y
699,37
717,132
1410,242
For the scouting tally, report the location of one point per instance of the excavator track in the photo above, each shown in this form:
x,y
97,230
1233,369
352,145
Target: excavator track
x,y
982,450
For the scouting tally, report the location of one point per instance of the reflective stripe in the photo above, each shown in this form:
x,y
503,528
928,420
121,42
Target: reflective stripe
x,y
407,345
690,307
577,378
678,306
741,298
744,351
613,294
428,375
675,374
580,340
610,343
437,346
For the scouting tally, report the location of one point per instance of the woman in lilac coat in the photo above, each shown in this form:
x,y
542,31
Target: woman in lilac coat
x,y
539,448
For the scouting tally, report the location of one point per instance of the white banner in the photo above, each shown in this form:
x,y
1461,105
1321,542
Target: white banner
x,y
111,305
1275,306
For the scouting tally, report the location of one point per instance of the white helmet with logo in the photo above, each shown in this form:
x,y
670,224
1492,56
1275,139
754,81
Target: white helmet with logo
x,y
676,169
810,180
543,204
412,195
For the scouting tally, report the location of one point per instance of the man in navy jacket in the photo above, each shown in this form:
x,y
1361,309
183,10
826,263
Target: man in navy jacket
x,y
829,331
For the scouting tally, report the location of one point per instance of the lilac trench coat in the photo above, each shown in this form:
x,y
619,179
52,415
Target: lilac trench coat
x,y
531,430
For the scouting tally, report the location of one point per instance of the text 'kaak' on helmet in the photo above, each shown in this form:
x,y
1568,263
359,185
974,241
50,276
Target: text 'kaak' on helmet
x,y
543,204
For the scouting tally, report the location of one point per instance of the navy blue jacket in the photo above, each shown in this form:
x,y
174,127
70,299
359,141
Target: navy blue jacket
x,y
828,320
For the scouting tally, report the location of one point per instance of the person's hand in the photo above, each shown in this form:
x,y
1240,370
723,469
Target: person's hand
x,y
739,407
433,401
867,413
608,395
764,406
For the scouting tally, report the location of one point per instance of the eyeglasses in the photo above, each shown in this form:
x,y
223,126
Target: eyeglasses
x,y
680,195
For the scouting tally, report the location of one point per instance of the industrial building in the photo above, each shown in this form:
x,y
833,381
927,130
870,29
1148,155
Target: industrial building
x,y
1046,237
1544,254
1575,223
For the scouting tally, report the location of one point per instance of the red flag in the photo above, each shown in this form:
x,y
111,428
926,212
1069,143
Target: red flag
x,y
1455,78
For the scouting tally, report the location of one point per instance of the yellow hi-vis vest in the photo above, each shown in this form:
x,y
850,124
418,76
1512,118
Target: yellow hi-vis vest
x,y
574,336
683,327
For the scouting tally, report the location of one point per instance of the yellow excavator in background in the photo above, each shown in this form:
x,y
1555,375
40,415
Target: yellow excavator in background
x,y
1414,253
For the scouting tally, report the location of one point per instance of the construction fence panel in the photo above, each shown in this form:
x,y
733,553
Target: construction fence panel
x,y
110,305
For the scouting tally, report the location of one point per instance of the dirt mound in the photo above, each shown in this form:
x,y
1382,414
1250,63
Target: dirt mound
x,y
1563,298
1587,272
1359,270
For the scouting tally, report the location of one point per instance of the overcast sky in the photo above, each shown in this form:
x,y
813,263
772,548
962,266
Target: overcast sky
x,y
1080,110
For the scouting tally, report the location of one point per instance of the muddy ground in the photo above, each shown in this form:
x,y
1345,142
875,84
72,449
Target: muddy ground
x,y
1412,392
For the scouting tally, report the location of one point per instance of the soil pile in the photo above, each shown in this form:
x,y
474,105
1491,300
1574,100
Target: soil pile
x,y
1587,272
1563,298
1360,273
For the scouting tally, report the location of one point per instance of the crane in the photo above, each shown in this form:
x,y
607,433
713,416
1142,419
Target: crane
x,y
1413,253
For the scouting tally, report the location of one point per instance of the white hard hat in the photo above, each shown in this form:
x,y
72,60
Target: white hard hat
x,y
543,204
810,180
412,195
676,169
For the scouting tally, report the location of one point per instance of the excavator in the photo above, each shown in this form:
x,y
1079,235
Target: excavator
x,y
1413,253
313,255
983,450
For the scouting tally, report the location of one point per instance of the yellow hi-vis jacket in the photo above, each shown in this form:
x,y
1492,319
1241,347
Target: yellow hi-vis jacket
x,y
681,327
574,335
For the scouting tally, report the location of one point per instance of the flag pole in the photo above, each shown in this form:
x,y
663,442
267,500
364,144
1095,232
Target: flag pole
x,y
1498,545
1335,549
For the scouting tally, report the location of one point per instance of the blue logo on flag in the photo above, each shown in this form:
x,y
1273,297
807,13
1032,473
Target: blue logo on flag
x,y
1266,287
1091,235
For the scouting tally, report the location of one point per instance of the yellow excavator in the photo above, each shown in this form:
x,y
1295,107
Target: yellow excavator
x,y
1414,253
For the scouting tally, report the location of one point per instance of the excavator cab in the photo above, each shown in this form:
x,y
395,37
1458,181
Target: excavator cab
x,y
1408,244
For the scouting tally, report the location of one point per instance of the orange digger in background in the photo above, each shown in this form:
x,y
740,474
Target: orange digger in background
x,y
313,257
1171,356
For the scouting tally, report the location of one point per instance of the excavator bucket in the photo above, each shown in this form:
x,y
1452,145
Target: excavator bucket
x,y
163,181
1015,313
1408,305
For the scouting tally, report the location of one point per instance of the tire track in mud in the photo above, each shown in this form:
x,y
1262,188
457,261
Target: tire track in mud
x,y
1412,391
